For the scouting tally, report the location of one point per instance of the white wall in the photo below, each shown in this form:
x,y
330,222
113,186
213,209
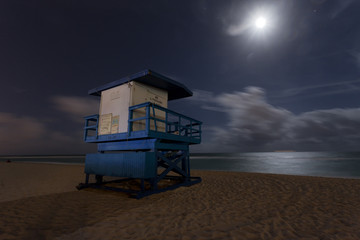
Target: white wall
x,y
115,103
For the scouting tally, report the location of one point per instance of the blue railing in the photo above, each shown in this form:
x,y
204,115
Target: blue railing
x,y
148,120
152,117
91,126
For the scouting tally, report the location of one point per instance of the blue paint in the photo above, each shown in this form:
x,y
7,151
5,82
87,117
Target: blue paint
x,y
187,133
136,145
125,164
91,127
141,154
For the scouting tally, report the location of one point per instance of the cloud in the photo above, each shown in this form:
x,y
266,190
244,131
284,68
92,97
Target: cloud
x,y
27,135
236,30
201,95
340,7
14,129
321,89
19,134
356,56
76,107
255,125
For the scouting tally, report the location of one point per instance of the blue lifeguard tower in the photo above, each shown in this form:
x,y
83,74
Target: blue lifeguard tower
x,y
138,138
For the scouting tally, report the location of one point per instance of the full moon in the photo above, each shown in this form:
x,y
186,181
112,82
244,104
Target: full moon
x,y
260,22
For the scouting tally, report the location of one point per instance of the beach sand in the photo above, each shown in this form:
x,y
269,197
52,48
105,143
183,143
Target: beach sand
x,y
40,201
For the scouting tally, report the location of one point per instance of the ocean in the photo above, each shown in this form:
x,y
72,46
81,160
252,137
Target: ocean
x,y
323,164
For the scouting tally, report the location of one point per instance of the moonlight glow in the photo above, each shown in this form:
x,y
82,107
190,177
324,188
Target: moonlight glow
x,y
260,22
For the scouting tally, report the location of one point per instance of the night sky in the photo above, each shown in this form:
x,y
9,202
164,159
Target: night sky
x,y
292,85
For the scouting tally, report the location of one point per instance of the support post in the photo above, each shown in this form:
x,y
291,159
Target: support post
x,y
87,179
99,179
142,185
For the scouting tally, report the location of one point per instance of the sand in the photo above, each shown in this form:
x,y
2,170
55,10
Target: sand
x,y
40,201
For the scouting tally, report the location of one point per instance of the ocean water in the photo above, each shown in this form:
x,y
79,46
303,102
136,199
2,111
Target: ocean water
x,y
325,164
73,159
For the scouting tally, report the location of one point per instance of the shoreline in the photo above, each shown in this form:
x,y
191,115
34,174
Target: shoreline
x,y
210,170
56,163
321,164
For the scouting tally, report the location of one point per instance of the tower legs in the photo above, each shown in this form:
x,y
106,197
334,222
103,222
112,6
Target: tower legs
x,y
153,172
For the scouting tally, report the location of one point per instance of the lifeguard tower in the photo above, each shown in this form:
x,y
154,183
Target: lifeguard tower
x,y
138,138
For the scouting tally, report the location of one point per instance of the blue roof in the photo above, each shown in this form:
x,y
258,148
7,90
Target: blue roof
x,y
175,89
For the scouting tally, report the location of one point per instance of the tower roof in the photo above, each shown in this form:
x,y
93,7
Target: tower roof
x,y
175,89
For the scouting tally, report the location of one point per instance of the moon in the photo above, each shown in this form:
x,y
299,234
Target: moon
x,y
260,22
